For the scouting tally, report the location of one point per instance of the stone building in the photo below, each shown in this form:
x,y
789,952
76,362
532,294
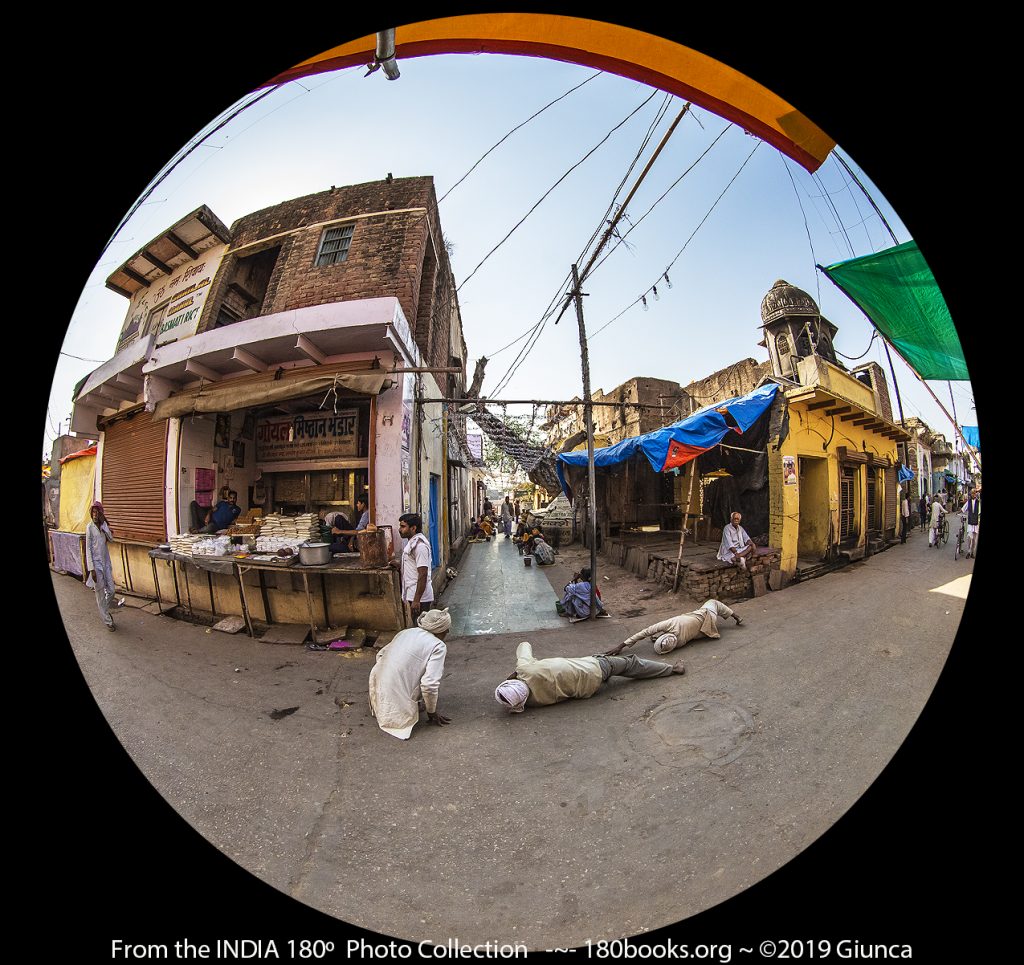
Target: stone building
x,y
272,358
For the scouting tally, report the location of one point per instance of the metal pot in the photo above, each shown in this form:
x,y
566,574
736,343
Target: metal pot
x,y
314,554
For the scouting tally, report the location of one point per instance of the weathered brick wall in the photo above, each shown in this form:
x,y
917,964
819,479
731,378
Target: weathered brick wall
x,y
738,379
385,257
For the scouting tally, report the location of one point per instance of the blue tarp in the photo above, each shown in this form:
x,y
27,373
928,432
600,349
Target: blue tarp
x,y
677,444
904,474
971,435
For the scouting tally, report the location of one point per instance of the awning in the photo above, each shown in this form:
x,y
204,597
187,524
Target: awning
x,y
897,291
248,393
677,444
970,434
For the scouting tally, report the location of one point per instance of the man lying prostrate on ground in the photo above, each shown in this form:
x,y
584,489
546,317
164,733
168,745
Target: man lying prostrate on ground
x,y
678,631
576,598
408,668
535,683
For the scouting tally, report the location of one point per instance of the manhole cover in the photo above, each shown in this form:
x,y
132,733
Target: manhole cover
x,y
703,731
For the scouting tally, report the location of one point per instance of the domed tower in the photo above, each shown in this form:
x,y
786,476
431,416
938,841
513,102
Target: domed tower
x,y
794,328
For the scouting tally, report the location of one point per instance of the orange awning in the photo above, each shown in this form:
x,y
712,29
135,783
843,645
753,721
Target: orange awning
x,y
609,47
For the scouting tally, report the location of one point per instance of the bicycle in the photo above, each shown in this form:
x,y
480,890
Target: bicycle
x,y
943,534
961,536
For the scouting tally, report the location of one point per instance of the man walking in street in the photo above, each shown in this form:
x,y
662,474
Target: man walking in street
x,y
506,517
416,565
922,510
971,509
409,670
97,562
536,683
678,631
904,515
935,522
737,546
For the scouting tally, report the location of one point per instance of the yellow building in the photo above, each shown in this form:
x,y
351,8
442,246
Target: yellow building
x,y
832,466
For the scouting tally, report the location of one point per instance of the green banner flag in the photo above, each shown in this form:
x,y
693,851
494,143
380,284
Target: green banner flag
x,y
896,289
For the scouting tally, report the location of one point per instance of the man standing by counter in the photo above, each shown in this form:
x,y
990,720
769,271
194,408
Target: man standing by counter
x,y
416,565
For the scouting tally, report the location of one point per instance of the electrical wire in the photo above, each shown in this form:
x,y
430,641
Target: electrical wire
x,y
516,128
636,224
80,359
835,214
854,358
662,111
552,188
685,244
807,227
536,331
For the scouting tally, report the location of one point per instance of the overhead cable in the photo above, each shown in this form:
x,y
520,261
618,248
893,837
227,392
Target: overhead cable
x,y
679,253
552,188
502,140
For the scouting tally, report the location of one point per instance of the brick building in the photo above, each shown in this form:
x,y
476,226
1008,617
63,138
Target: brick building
x,y
273,358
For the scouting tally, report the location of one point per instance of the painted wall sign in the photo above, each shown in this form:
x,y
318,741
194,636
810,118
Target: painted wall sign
x,y
172,308
310,435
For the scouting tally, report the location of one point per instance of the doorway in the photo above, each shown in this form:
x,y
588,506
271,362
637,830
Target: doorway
x,y
813,535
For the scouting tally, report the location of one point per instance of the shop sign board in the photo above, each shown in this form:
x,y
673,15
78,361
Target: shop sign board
x,y
309,435
172,308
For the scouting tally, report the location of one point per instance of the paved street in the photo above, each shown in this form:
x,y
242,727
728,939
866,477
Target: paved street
x,y
592,819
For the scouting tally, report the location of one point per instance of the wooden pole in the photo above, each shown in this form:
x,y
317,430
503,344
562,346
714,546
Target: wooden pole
x,y
682,535
588,416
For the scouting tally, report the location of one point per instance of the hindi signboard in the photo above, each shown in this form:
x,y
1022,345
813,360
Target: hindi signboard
x,y
308,435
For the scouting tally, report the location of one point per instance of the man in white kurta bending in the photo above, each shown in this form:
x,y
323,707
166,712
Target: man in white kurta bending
x,y
737,547
678,631
407,670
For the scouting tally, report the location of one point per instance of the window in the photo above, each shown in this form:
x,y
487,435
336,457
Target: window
x,y
334,245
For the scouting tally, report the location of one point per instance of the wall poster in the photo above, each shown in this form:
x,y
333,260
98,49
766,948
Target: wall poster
x,y
789,470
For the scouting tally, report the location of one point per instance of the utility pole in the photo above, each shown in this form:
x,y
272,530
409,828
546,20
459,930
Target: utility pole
x,y
588,418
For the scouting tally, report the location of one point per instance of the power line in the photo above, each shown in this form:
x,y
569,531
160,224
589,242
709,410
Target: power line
x,y
80,359
516,128
807,227
535,331
664,274
552,188
636,223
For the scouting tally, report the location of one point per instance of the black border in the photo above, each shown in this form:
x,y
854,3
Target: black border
x,y
906,865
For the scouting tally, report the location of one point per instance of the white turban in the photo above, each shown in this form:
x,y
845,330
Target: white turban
x,y
435,621
665,643
512,694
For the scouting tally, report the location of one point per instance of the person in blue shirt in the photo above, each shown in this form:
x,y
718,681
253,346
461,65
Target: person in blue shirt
x,y
223,514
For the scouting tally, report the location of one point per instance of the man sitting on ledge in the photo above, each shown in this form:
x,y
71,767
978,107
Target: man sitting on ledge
x,y
737,547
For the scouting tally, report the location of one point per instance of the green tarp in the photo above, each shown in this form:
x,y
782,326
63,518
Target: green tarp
x,y
896,289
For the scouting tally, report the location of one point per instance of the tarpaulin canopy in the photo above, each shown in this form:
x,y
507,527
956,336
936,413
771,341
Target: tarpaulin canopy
x,y
970,433
677,444
897,291
903,474
232,395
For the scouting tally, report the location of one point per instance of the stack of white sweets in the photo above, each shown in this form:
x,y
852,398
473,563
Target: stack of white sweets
x,y
279,531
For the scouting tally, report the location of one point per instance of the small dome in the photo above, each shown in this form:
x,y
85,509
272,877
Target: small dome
x,y
786,299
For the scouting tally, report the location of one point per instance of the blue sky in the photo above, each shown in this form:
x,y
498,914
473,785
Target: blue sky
x,y
439,117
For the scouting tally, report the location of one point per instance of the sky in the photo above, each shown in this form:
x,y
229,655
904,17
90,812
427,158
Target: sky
x,y
773,220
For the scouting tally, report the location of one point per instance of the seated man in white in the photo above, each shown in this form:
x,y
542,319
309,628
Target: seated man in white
x,y
737,546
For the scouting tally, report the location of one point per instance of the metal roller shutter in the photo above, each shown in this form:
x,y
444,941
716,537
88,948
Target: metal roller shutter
x,y
133,474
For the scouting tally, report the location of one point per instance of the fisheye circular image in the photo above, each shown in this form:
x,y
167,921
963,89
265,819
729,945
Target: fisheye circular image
x,y
511,481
